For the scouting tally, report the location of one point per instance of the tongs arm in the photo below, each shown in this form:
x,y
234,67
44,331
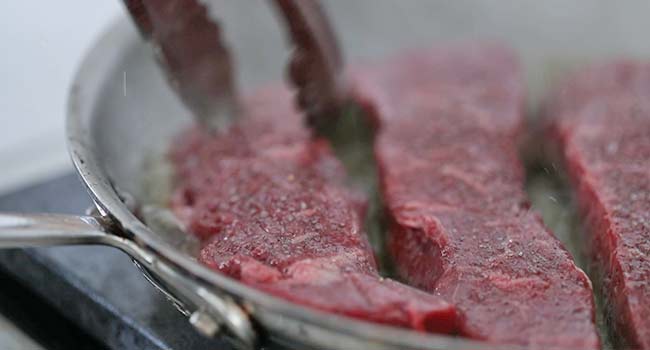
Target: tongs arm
x,y
316,64
191,51
199,65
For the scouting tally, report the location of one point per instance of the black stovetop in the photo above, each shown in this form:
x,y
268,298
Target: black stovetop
x,y
84,297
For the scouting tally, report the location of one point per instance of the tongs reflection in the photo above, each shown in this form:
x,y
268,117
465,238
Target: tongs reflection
x,y
191,50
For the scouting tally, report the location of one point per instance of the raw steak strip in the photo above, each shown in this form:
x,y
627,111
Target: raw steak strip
x,y
271,208
601,125
461,227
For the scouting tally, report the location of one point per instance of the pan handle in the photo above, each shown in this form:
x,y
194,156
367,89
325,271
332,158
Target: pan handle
x,y
34,230
211,310
19,230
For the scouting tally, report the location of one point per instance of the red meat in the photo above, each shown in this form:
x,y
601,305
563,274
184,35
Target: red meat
x,y
272,210
601,125
461,227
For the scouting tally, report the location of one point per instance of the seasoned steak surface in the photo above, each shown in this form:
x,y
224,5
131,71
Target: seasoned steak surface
x,y
461,227
600,121
270,206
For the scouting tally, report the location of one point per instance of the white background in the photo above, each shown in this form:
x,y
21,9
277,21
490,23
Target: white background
x,y
41,44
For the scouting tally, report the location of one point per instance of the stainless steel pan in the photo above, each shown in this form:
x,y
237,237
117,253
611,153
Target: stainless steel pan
x,y
110,132
120,110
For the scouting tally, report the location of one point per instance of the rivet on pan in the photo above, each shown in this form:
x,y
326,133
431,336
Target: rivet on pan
x,y
204,323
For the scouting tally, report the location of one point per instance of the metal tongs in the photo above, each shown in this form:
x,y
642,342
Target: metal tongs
x,y
190,48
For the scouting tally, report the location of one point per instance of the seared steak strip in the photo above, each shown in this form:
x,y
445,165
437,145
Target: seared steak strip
x,y
270,205
600,122
449,121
